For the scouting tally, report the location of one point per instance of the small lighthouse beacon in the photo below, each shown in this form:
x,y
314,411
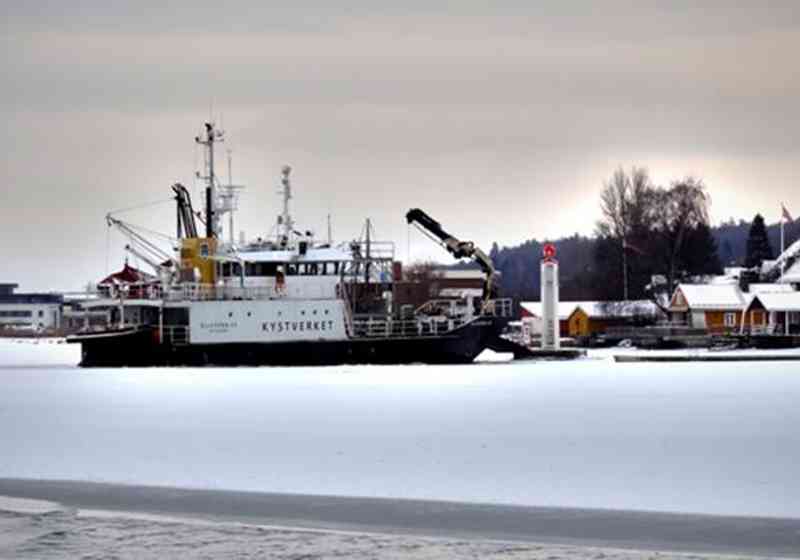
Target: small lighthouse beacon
x,y
549,285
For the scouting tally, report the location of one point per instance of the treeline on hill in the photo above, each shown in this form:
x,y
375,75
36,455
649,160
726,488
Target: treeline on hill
x,y
656,230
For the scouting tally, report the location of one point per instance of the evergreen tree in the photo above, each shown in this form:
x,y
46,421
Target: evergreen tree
x,y
727,255
494,254
699,253
758,247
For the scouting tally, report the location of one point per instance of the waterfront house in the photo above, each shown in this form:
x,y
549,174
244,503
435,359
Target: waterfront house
x,y
776,312
531,316
589,318
718,308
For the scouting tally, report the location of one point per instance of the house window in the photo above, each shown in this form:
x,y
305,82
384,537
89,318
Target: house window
x,y
730,319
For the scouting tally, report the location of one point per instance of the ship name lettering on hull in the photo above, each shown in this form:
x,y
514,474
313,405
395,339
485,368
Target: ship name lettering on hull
x,y
296,326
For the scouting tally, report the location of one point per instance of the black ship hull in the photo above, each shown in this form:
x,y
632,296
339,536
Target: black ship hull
x,y
141,347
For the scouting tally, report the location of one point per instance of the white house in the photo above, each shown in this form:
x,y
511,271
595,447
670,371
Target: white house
x,y
29,311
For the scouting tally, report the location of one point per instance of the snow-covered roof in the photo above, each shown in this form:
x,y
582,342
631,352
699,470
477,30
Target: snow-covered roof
x,y
733,271
723,280
790,252
777,301
596,309
769,288
565,308
468,274
605,309
767,265
792,274
707,296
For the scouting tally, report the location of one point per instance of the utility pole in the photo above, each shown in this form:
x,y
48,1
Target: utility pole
x,y
624,269
366,266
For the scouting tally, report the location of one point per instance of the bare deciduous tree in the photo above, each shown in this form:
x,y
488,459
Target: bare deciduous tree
x,y
645,230
680,209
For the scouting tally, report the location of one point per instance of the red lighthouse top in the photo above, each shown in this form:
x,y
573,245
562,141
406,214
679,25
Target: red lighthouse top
x,y
549,252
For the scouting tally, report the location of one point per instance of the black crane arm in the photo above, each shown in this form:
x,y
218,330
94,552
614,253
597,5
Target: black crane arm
x,y
185,213
459,249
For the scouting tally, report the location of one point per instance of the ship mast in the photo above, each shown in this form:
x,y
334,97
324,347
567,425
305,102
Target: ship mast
x,y
285,221
229,199
212,215
230,193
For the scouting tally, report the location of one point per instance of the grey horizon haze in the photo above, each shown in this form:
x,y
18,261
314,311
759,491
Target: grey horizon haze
x,y
502,120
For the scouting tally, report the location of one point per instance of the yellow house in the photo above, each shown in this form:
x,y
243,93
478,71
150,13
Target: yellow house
x,y
590,318
717,308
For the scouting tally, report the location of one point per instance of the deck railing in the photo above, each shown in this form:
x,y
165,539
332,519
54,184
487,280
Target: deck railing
x,y
501,307
192,291
210,292
381,327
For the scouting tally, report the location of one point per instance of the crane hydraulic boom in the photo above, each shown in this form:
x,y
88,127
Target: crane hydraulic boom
x,y
459,249
185,213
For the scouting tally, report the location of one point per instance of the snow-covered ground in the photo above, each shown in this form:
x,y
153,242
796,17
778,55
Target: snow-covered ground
x,y
709,438
66,533
38,352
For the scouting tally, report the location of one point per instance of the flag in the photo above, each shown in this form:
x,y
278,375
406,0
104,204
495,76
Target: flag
x,y
785,214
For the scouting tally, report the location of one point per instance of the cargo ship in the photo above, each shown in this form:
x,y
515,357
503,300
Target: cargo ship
x,y
287,299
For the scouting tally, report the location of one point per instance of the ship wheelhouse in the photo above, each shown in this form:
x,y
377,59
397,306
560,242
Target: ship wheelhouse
x,y
313,273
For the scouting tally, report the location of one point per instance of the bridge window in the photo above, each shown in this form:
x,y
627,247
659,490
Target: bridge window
x,y
16,314
261,268
331,268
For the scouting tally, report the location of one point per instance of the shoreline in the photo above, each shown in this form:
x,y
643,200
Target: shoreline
x,y
617,529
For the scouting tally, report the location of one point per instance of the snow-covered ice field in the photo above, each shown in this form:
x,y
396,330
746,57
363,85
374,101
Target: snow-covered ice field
x,y
708,438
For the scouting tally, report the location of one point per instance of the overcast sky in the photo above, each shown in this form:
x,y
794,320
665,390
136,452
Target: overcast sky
x,y
501,119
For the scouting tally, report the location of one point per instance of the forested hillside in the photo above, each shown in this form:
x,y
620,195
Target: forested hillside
x,y
579,270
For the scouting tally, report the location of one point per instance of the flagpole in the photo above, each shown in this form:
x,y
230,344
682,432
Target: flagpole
x,y
783,262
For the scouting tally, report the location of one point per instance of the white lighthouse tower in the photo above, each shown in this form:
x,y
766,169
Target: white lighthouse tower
x,y
551,336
